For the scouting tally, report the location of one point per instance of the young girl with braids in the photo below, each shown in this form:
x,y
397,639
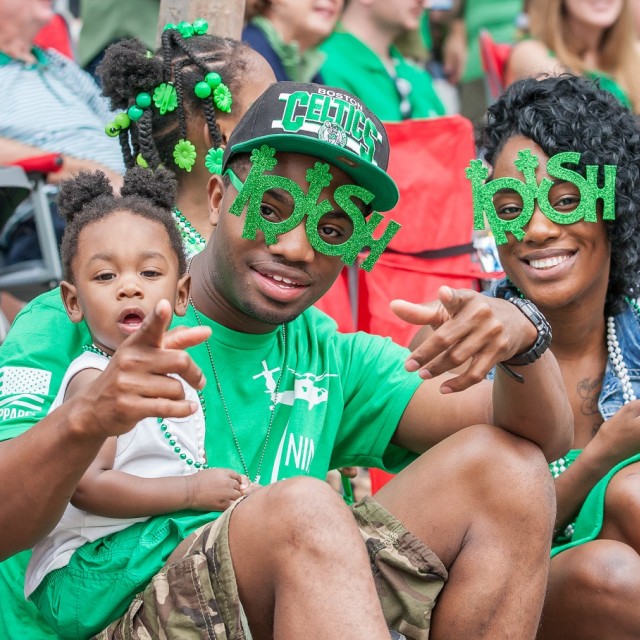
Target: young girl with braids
x,y
179,108
159,466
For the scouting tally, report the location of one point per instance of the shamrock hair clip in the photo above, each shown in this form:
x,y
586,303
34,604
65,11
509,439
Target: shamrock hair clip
x,y
184,154
213,160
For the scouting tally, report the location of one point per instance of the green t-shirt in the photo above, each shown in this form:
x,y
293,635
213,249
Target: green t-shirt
x,y
106,21
339,402
353,66
498,17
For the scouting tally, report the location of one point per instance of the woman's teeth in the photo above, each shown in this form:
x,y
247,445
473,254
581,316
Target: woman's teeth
x,y
547,263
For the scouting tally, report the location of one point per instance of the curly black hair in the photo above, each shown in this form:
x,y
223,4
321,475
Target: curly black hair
x,y
89,197
571,113
129,68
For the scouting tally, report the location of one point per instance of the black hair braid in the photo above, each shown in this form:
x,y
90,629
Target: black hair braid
x,y
135,142
181,97
188,48
212,122
145,138
167,57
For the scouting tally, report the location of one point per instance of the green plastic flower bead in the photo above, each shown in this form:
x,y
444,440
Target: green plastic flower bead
x,y
222,97
169,25
185,28
184,154
202,90
200,26
213,79
122,120
135,112
165,97
143,100
141,162
213,160
112,129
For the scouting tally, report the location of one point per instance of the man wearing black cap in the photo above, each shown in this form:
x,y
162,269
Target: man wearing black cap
x,y
468,521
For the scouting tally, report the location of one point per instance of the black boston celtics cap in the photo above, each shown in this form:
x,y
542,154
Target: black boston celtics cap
x,y
320,121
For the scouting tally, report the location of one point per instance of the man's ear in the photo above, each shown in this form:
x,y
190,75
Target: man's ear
x,y
215,191
182,295
69,294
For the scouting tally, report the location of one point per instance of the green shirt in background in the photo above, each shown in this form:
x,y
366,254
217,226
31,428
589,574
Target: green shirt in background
x,y
353,66
498,17
105,21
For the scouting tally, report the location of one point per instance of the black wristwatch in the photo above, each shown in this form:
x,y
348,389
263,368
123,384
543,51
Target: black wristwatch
x,y
510,294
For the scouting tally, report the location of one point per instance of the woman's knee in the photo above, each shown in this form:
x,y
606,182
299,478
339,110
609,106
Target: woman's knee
x,y
605,569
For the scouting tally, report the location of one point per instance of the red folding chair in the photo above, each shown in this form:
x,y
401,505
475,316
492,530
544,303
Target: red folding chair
x,y
435,244
494,57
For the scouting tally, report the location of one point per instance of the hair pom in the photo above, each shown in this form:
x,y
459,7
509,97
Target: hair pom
x,y
157,185
78,192
126,70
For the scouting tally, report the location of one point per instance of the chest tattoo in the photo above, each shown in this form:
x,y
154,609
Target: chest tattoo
x,y
588,390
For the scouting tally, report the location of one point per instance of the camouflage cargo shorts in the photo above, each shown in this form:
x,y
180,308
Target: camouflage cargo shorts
x,y
195,595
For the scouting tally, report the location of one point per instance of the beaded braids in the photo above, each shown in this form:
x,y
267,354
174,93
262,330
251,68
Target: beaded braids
x,y
571,113
191,73
89,198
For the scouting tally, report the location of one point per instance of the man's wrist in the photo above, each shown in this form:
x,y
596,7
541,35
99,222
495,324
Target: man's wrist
x,y
509,293
543,340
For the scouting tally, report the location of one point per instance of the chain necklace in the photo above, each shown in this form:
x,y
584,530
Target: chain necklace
x,y
193,240
256,480
170,438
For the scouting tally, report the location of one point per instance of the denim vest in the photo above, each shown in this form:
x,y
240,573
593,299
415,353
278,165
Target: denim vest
x,y
627,326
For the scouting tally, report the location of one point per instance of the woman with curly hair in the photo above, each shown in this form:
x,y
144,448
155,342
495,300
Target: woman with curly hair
x,y
594,39
574,250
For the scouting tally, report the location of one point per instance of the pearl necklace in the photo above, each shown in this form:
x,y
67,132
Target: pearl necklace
x,y
256,479
616,358
170,438
193,240
618,363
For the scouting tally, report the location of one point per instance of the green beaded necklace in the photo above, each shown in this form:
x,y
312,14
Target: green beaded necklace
x,y
193,240
169,438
